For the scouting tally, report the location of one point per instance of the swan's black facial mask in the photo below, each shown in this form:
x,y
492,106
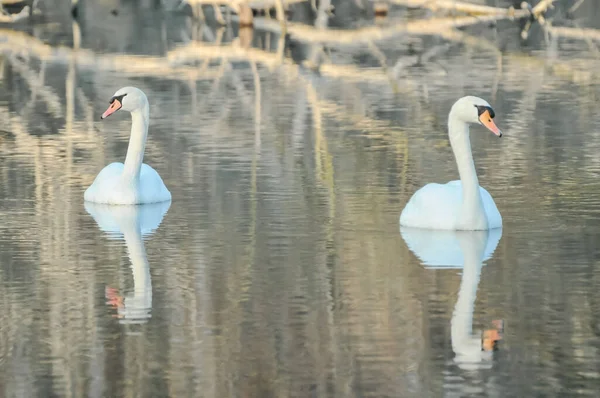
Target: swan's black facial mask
x,y
486,116
116,103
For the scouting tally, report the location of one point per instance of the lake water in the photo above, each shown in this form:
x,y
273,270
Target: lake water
x,y
279,268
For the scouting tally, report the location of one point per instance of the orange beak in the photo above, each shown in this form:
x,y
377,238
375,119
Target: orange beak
x,y
488,122
114,106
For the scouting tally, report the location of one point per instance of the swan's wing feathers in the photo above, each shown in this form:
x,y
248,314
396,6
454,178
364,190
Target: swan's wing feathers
x,y
104,181
490,208
113,170
152,187
433,206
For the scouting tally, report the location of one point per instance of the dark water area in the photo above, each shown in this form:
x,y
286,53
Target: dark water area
x,y
279,268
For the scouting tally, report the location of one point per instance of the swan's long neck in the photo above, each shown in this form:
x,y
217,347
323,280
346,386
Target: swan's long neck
x,y
137,143
467,347
472,215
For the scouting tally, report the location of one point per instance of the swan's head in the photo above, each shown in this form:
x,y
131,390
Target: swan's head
x,y
127,98
475,110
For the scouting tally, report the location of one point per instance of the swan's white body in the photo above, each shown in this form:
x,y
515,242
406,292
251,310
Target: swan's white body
x,y
438,206
132,223
457,205
113,186
465,250
132,182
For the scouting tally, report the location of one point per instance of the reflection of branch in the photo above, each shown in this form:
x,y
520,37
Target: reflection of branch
x,y
12,42
245,6
52,149
574,33
87,108
309,34
30,105
321,22
47,94
577,70
575,6
323,159
257,102
359,75
196,51
541,8
433,26
253,4
473,9
383,62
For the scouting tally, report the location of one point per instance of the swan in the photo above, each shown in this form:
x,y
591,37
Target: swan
x,y
465,250
132,224
457,205
132,182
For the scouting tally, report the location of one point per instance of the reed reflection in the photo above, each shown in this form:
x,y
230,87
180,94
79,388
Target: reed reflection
x,y
466,250
132,224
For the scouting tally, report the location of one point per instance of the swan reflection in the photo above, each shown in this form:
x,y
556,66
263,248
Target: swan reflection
x,y
131,223
466,250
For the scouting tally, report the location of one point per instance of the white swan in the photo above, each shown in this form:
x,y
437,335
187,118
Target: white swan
x,y
131,223
132,182
466,250
457,205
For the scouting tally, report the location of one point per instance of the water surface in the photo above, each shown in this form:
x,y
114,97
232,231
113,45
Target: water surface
x,y
279,268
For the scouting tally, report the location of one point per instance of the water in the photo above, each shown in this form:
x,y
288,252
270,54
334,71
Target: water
x,y
279,268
